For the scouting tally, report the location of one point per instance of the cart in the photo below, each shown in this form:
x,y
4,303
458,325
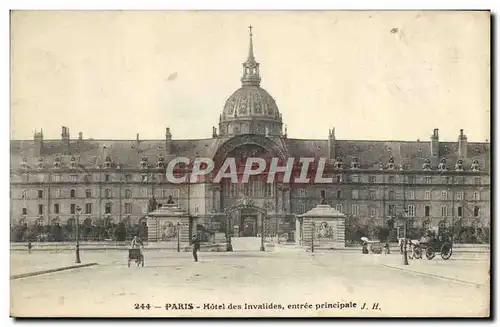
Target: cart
x,y
441,244
135,254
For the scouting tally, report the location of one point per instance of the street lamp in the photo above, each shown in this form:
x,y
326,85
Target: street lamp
x,y
178,237
405,218
262,248
312,235
78,211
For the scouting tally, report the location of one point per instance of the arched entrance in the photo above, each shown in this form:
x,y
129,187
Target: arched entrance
x,y
245,220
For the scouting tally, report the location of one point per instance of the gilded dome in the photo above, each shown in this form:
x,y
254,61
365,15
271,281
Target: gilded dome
x,y
250,101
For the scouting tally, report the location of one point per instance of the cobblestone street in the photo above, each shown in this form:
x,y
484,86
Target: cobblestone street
x,y
112,289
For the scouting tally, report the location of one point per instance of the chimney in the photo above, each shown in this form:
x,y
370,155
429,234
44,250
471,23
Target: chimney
x,y
214,131
331,145
137,142
434,155
38,140
168,141
65,140
79,143
462,145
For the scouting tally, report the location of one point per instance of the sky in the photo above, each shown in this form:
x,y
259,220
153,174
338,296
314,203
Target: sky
x,y
371,75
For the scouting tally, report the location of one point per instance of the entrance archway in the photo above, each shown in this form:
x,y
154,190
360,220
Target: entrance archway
x,y
250,215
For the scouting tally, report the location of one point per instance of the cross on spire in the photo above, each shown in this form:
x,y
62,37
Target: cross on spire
x,y
250,28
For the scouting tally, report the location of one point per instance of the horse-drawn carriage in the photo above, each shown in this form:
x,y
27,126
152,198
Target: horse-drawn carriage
x,y
135,254
432,244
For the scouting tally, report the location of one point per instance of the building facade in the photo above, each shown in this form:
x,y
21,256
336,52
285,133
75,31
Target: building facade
x,y
435,183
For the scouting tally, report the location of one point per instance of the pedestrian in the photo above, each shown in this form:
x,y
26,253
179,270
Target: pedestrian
x,y
196,247
29,247
386,247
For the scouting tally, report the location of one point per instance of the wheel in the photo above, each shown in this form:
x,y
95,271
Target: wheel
x,y
429,253
129,263
142,260
418,253
446,251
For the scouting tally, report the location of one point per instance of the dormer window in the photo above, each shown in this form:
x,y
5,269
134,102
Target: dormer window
x,y
442,164
57,162
427,164
40,164
390,164
380,166
459,165
355,163
144,162
72,163
339,164
160,163
108,162
24,163
402,166
475,165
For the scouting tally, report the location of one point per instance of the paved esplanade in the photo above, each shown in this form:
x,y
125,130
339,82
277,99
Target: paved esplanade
x,y
438,287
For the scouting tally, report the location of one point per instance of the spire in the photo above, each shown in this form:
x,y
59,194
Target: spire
x,y
251,75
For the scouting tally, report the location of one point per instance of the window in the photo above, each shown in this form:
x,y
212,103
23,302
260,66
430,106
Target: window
x,y
128,178
160,193
339,194
97,177
411,179
56,207
339,179
338,207
73,208
475,196
373,212
460,180
428,180
427,195
372,179
144,193
476,211
427,211
128,194
411,210
355,194
392,209
411,195
57,193
40,209
196,208
444,211
444,195
106,178
107,193
355,178
40,194
391,195
302,208
391,179
107,208
477,180
355,209
128,208
24,195
459,211
72,193
25,211
460,195
73,178
88,208
88,193
302,192
56,178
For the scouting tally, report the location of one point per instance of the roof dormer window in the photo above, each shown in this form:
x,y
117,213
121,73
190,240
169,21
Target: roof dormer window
x,y
355,163
108,162
160,163
442,164
40,164
459,165
390,164
427,164
339,164
475,165
72,163
144,162
24,163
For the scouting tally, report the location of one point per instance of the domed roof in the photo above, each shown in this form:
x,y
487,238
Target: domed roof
x,y
250,101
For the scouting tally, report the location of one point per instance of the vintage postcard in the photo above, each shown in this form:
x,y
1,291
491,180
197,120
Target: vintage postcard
x,y
250,164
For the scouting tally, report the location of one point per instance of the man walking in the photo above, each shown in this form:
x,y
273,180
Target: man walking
x,y
196,247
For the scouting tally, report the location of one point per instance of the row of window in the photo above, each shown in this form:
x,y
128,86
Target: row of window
x,y
255,187
410,195
108,193
87,178
413,179
73,209
410,210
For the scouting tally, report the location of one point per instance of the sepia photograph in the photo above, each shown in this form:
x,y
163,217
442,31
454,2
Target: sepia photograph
x,y
250,164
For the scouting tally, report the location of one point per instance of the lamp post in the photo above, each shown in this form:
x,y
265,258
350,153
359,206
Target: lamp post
x,y
405,219
313,224
229,246
262,248
178,237
78,211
